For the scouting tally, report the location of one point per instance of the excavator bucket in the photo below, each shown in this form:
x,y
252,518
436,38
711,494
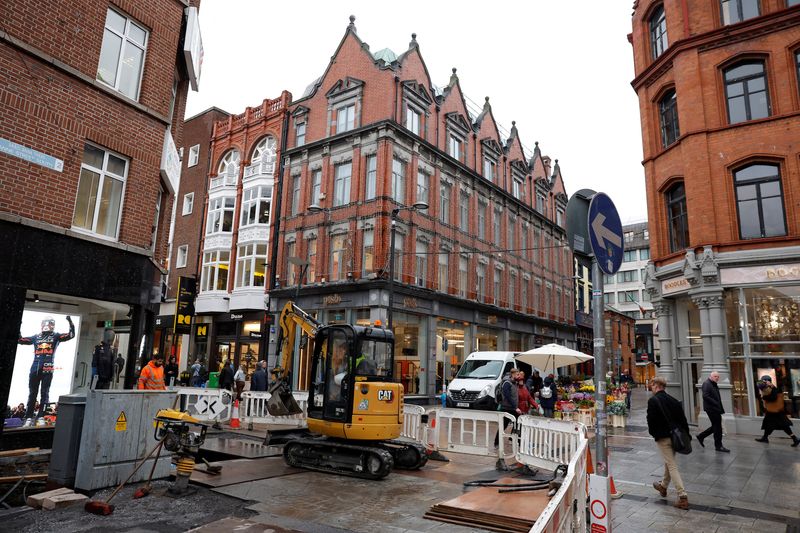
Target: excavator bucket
x,y
281,402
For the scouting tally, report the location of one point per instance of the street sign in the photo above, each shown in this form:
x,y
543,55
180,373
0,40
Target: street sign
x,y
210,406
577,228
605,233
598,503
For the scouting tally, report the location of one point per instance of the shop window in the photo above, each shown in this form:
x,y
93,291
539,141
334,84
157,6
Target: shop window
x,y
220,215
215,271
398,181
251,265
677,217
372,171
101,188
316,186
341,184
421,260
449,335
746,92
194,155
423,186
658,32
785,375
410,348
122,54
668,115
256,204
734,11
759,201
368,253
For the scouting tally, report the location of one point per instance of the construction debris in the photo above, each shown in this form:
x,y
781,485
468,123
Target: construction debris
x,y
64,500
35,500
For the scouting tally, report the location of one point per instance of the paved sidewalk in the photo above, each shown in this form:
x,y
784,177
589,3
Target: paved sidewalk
x,y
756,487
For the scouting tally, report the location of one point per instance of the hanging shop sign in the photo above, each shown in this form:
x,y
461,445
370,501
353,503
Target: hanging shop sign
x,y
184,305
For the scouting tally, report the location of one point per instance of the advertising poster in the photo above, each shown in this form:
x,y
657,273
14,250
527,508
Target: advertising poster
x,y
766,372
794,374
63,357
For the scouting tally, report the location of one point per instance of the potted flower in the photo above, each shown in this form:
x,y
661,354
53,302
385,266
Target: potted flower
x,y
616,413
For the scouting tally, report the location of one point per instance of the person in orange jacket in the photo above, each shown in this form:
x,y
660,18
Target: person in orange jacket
x,y
152,376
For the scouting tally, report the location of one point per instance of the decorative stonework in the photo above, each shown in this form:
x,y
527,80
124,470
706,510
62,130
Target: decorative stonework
x,y
709,268
257,233
214,242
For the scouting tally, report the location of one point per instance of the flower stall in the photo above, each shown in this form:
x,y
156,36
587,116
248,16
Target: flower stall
x,y
617,411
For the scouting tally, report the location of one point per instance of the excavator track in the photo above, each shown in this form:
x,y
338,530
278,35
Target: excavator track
x,y
336,457
406,455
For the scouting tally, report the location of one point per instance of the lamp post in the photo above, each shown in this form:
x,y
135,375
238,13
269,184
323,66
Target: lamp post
x,y
418,206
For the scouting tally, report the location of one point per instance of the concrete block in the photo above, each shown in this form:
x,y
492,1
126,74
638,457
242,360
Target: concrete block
x,y
64,500
35,500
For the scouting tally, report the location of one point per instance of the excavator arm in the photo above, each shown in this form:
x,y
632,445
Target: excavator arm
x,y
292,318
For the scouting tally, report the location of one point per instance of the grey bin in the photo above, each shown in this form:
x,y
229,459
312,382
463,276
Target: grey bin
x,y
108,453
67,439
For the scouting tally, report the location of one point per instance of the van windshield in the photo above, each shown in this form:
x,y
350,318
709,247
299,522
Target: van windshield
x,y
480,369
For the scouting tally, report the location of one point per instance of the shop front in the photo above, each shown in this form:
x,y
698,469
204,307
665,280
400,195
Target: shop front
x,y
238,338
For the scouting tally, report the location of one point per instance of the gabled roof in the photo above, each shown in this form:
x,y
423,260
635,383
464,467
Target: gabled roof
x,y
418,90
344,85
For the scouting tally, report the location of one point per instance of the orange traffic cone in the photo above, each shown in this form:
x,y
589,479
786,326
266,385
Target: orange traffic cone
x,y
612,491
235,416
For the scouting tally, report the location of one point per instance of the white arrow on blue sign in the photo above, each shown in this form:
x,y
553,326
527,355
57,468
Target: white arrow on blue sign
x,y
605,233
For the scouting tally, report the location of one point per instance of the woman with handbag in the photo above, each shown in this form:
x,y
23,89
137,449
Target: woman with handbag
x,y
667,423
774,411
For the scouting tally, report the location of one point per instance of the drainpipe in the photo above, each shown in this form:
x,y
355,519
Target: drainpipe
x,y
276,227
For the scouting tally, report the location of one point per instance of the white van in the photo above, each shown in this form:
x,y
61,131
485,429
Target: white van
x,y
479,378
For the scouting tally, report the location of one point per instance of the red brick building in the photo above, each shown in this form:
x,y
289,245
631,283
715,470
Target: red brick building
x,y
92,97
234,222
719,96
484,267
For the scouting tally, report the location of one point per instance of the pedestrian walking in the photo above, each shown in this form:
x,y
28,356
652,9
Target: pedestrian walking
x,y
712,405
258,382
171,372
525,401
197,375
509,402
226,376
663,414
774,411
548,396
152,376
239,379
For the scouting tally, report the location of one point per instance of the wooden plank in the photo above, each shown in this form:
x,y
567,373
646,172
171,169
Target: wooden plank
x,y
12,479
64,500
35,500
20,451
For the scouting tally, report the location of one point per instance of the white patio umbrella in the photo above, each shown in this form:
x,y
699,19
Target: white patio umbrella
x,y
553,356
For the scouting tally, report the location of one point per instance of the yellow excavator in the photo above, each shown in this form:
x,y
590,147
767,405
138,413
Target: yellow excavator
x,y
355,408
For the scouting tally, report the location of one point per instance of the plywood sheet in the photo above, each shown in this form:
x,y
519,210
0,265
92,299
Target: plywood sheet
x,y
242,470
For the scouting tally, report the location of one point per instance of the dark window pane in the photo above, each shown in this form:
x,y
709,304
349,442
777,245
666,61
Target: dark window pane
x,y
748,219
773,217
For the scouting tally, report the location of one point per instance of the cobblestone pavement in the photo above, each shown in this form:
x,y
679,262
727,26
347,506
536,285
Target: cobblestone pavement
x,y
756,487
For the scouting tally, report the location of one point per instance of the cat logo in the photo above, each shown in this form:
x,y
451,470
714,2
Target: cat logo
x,y
385,396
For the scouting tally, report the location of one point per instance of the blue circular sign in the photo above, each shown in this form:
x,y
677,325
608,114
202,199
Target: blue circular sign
x,y
605,233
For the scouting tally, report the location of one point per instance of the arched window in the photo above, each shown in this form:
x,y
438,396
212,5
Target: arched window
x,y
668,113
734,11
229,165
265,151
677,217
746,91
658,32
759,201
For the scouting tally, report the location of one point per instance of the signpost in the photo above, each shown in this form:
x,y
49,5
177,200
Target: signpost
x,y
592,216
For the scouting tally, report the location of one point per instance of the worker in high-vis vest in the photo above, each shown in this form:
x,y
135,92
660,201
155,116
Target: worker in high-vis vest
x,y
152,376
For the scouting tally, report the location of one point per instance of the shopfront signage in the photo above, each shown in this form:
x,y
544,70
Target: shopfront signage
x,y
671,286
193,47
234,316
410,303
184,305
30,155
255,335
170,163
760,274
332,299
201,332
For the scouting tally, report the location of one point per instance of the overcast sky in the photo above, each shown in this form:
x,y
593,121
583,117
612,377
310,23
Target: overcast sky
x,y
561,70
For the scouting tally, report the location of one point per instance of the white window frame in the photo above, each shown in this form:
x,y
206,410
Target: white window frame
x,y
455,146
297,183
512,287
194,155
311,257
421,263
248,260
316,186
497,234
372,176
211,269
517,189
300,134
104,173
463,276
216,214
497,283
463,212
188,204
423,186
482,208
413,119
261,194
398,258
341,183
181,256
368,253
126,41
338,257
345,118
445,193
480,282
444,266
398,180
489,168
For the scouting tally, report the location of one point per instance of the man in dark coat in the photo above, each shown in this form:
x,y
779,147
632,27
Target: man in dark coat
x,y
663,413
258,381
104,360
712,405
226,376
510,401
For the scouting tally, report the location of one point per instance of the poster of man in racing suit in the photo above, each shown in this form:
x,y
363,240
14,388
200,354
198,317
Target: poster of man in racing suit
x,y
44,344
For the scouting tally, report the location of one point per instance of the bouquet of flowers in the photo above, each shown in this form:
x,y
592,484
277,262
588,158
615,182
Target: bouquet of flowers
x,y
565,406
586,388
617,408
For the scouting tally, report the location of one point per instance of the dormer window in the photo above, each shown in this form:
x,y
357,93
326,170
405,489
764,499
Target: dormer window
x,y
412,119
344,105
517,189
455,147
345,118
489,168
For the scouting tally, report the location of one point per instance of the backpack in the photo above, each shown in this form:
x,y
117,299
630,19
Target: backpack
x,y
546,392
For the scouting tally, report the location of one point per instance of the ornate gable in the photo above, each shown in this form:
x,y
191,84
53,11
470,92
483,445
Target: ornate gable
x,y
344,86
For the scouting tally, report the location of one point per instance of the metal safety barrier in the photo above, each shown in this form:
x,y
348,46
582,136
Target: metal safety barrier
x,y
547,443
566,511
209,405
473,432
253,410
